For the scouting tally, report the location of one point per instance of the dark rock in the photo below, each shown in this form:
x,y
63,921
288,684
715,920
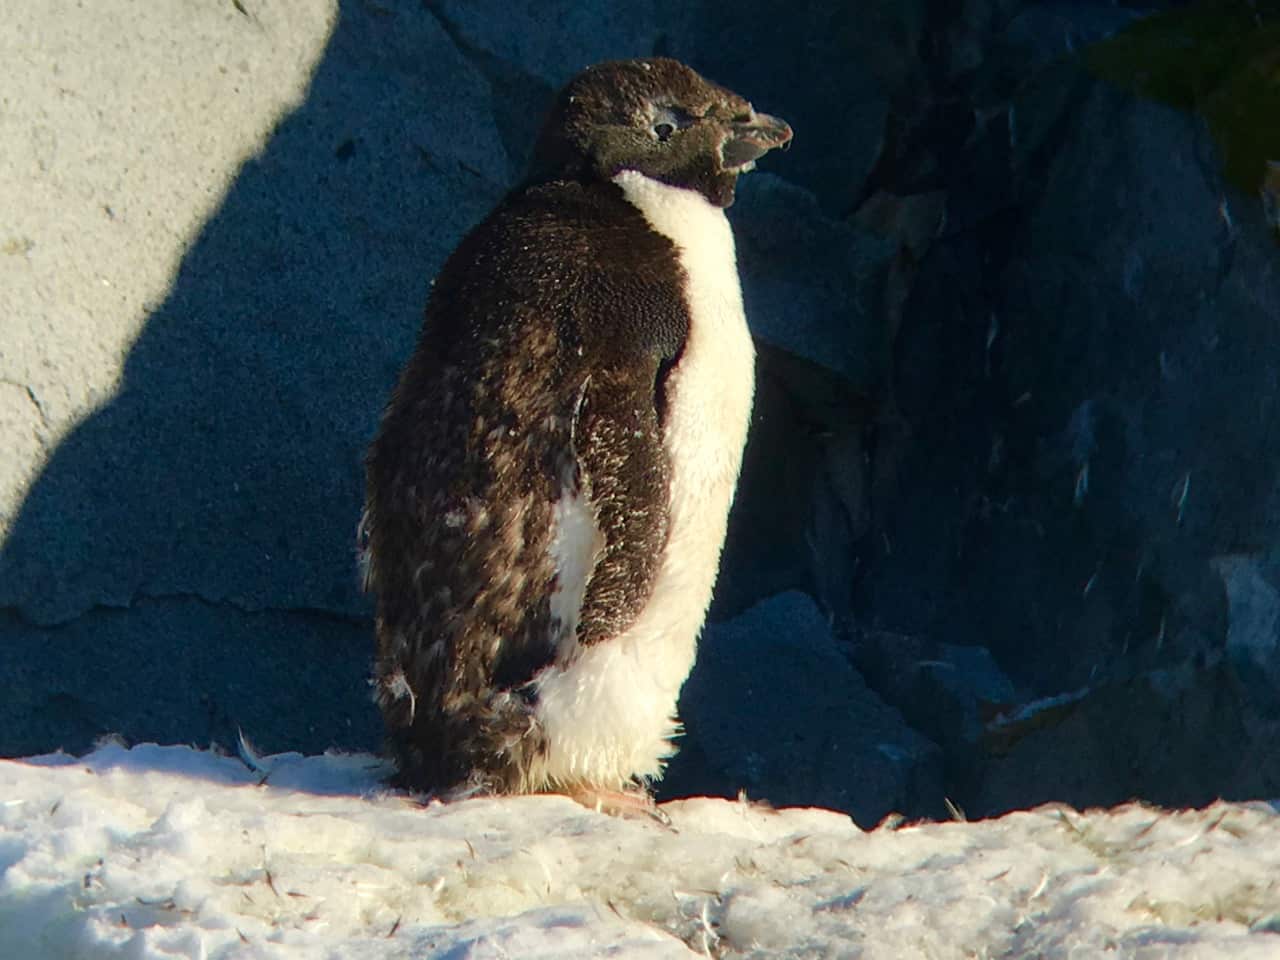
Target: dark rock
x,y
795,512
812,285
1045,32
814,65
1082,367
526,52
1179,737
1253,625
815,294
1215,60
946,692
552,41
813,289
774,709
180,671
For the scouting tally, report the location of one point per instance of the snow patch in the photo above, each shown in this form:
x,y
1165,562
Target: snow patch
x,y
169,852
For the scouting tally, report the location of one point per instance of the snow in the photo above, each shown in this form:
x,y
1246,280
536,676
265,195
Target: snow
x,y
170,852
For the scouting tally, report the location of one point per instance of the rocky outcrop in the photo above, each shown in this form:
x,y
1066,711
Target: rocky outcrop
x,y
1014,291
774,710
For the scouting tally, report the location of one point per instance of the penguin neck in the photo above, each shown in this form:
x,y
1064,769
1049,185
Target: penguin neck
x,y
684,216
709,391
718,341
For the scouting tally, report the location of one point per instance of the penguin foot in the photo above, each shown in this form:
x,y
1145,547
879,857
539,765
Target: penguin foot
x,y
627,804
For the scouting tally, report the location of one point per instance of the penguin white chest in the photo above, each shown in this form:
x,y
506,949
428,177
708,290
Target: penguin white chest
x,y
609,713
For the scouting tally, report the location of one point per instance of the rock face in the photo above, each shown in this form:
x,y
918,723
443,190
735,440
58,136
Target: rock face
x,y
1016,312
1082,370
773,708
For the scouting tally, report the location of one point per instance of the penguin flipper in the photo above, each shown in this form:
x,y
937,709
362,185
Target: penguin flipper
x,y
625,475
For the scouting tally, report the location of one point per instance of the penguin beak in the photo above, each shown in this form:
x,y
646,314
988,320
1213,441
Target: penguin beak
x,y
751,139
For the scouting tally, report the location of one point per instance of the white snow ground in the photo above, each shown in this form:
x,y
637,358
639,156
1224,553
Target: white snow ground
x,y
173,852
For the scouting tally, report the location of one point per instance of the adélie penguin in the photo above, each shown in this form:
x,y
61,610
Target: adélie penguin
x,y
548,491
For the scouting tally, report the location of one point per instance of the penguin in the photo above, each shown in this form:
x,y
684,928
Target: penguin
x,y
548,490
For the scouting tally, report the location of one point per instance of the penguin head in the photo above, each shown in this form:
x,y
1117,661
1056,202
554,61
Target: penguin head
x,y
659,118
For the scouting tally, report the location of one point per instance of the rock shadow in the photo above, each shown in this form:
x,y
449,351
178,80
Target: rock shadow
x,y
185,561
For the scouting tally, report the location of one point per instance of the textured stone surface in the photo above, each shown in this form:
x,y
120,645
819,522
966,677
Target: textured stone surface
x,y
947,691
812,284
774,708
1253,621
225,460
182,670
1083,370
108,178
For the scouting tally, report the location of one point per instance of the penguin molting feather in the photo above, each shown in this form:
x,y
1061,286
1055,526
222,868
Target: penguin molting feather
x,y
548,491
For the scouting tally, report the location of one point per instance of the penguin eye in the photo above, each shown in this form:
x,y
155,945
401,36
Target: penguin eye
x,y
667,119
